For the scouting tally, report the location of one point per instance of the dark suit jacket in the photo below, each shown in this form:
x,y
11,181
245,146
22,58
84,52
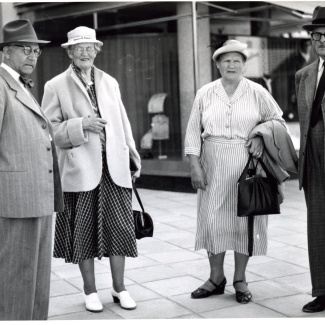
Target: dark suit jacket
x,y
306,79
29,175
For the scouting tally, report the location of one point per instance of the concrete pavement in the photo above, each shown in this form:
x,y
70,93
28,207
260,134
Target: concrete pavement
x,y
168,269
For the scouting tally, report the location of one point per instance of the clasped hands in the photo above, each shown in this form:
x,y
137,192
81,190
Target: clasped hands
x,y
93,124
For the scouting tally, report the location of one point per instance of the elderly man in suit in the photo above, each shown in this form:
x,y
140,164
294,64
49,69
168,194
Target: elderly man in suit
x,y
310,86
30,187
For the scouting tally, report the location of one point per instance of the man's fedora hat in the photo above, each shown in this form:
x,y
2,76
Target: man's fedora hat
x,y
318,19
231,45
19,31
81,34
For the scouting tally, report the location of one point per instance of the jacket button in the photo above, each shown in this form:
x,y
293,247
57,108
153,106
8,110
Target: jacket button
x,y
50,171
44,126
48,148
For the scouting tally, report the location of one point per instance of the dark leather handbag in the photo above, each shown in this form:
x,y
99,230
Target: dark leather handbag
x,y
133,166
257,195
143,223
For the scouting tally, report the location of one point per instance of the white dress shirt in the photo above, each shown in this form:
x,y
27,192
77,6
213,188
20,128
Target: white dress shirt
x,y
16,76
320,71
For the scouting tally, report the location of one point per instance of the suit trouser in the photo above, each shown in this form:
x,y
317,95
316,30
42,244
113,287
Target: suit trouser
x,y
314,188
25,268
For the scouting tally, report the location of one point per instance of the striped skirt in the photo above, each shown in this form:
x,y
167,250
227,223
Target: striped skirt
x,y
98,223
218,227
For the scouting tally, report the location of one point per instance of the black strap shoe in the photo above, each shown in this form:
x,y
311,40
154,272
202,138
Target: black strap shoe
x,y
243,297
203,293
315,306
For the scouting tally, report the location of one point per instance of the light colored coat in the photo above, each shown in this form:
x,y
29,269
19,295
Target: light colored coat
x,y
66,102
29,174
306,79
280,154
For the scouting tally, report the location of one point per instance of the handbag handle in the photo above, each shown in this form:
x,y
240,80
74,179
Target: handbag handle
x,y
268,174
137,195
244,173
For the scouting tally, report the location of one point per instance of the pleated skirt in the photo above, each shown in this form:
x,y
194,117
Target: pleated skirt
x,y
98,223
218,227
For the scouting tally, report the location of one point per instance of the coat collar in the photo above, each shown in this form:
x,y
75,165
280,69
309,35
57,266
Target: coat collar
x,y
310,82
20,94
98,74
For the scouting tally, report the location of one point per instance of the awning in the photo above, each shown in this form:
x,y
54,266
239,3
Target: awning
x,y
306,7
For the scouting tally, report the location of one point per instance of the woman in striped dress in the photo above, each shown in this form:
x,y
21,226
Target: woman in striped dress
x,y
94,143
216,142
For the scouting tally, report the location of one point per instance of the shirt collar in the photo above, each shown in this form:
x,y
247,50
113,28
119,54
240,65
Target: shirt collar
x,y
320,64
13,73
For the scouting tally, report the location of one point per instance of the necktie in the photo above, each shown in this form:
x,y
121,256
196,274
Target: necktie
x,y
316,113
27,82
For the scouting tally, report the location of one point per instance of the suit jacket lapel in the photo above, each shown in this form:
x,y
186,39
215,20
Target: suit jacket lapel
x,y
98,75
20,93
310,83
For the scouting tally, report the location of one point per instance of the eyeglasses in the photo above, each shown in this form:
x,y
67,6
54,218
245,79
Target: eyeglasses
x,y
28,50
89,49
317,36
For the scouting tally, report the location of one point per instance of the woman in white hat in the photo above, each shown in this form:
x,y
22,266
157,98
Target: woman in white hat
x,y
223,115
95,143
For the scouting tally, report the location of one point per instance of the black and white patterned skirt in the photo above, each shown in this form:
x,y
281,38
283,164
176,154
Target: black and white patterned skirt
x,y
98,223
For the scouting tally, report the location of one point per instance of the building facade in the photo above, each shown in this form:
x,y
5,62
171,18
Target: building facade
x,y
160,53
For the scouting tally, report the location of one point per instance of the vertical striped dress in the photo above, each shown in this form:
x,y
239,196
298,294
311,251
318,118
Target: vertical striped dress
x,y
217,131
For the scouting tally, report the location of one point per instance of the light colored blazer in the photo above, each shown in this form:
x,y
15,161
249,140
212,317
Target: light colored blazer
x,y
306,79
66,102
29,175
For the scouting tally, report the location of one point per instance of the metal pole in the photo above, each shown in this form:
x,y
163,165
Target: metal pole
x,y
95,20
195,58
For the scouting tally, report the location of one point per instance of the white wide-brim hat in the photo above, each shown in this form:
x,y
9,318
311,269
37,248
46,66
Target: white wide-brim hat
x,y
81,34
231,46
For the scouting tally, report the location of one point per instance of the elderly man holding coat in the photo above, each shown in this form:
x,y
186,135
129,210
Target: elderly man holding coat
x,y
30,187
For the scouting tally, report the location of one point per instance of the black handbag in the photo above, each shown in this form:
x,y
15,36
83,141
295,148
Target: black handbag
x,y
257,195
143,223
133,166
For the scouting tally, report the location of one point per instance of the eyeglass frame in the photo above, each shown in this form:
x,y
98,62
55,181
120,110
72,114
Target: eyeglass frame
x,y
318,33
37,52
92,49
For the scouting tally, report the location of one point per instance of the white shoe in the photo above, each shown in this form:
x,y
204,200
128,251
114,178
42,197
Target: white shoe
x,y
93,303
124,299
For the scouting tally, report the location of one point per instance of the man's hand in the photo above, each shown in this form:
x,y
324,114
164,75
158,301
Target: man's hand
x,y
93,124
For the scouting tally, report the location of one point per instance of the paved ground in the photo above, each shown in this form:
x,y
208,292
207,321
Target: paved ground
x,y
168,269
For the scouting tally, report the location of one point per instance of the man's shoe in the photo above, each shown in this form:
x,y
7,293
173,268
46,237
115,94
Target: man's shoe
x,y
93,303
315,306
